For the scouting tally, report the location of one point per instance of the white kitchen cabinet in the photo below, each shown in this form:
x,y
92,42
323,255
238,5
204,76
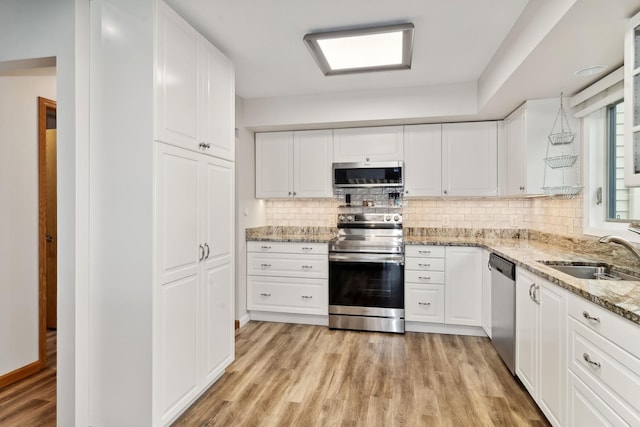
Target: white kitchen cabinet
x,y
632,102
486,293
288,277
369,144
195,90
294,164
604,365
424,279
527,130
463,289
541,309
470,159
194,325
423,160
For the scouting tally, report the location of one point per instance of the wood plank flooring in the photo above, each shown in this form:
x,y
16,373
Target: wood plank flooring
x,y
32,401
299,375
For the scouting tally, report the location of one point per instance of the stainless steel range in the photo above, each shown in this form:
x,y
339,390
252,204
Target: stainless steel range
x,y
366,273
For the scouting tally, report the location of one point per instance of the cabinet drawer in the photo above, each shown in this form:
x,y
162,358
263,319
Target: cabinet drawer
x,y
425,264
424,251
424,303
287,295
615,328
436,277
287,265
610,371
287,247
587,409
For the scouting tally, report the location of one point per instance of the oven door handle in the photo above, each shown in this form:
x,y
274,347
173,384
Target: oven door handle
x,y
370,258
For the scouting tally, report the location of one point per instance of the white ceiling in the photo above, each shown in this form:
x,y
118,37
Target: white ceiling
x,y
456,41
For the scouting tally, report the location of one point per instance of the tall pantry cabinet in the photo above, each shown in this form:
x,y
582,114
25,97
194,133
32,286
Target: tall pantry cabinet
x,y
193,339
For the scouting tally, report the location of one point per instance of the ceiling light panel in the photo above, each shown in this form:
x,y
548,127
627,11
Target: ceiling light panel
x,y
362,50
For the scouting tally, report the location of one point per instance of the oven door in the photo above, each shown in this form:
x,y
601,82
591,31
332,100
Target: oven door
x,y
358,280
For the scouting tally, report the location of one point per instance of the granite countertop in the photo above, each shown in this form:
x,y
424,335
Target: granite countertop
x,y
523,247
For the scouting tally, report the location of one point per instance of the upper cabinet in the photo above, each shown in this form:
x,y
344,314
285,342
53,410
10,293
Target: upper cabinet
x,y
632,103
194,89
294,164
423,160
370,144
527,131
470,159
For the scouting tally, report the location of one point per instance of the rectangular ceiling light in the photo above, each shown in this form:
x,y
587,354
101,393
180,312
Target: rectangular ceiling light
x,y
362,50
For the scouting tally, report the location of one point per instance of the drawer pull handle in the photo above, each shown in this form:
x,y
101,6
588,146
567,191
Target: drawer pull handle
x,y
587,359
265,265
424,265
424,277
265,295
307,249
307,267
306,297
424,252
424,304
587,316
265,248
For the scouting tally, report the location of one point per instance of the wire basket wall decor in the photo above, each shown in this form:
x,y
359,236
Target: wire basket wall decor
x,y
560,161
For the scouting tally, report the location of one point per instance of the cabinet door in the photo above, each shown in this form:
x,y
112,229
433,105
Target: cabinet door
x,y
527,333
177,80
463,286
217,107
218,284
368,144
553,360
178,204
486,293
423,160
632,100
312,158
515,161
274,165
470,159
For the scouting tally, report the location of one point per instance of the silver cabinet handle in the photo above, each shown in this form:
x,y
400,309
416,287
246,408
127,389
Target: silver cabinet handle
x,y
265,248
294,194
306,248
206,246
445,192
424,265
307,267
424,252
307,297
587,316
289,192
424,277
536,298
424,304
522,187
201,253
531,292
406,192
265,265
204,146
587,359
265,295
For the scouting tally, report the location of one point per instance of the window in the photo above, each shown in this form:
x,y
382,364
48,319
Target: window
x,y
623,204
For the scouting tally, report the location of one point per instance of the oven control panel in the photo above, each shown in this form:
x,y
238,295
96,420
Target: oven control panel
x,y
370,218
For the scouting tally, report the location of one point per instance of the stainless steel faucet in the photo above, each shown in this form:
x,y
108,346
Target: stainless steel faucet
x,y
623,242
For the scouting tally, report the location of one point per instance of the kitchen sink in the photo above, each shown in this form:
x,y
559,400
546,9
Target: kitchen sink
x,y
590,270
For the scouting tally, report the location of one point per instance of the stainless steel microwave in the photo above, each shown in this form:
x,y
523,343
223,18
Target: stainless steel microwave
x,y
368,174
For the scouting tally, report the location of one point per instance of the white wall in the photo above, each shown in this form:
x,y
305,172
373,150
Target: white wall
x,y
250,212
36,29
19,328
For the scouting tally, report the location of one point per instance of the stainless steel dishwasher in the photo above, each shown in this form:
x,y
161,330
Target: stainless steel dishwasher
x,y
503,309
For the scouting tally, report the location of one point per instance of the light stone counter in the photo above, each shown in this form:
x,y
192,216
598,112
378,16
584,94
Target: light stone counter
x,y
523,247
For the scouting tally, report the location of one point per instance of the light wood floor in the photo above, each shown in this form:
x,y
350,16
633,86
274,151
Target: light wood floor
x,y
32,401
297,375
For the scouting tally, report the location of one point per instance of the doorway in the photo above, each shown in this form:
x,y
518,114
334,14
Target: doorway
x,y
48,221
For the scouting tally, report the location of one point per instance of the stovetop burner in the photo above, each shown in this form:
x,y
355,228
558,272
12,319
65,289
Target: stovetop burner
x,y
369,233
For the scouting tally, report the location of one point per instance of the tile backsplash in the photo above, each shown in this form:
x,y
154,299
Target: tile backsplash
x,y
558,216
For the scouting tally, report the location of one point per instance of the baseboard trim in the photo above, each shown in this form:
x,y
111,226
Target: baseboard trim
x,y
441,328
304,319
20,373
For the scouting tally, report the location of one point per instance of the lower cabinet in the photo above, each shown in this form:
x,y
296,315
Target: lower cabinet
x,y
541,309
287,277
443,285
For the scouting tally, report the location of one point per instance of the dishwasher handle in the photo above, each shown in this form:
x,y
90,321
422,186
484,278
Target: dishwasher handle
x,y
501,265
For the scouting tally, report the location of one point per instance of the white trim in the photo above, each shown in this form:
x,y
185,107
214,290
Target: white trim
x,y
244,320
598,87
441,328
605,91
303,319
